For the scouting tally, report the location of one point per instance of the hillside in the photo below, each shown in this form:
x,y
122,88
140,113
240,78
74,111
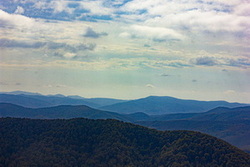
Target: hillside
x,y
62,112
157,105
229,124
83,142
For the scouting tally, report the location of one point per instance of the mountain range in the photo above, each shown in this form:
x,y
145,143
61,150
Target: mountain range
x,y
36,100
211,117
229,124
152,105
109,143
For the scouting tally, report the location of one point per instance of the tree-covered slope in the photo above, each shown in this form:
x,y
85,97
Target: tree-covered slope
x,y
83,142
229,124
58,112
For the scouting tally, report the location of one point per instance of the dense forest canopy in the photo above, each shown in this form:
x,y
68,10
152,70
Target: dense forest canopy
x,y
85,142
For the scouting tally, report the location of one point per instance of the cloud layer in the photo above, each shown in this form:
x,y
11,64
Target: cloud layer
x,y
184,47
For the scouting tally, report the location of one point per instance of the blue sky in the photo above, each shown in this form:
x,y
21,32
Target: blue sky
x,y
193,49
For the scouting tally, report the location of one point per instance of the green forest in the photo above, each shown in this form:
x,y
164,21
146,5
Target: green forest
x,y
106,143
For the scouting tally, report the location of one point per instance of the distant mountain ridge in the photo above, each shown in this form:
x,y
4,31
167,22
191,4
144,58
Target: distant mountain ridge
x,y
152,105
39,101
157,105
76,111
36,100
216,114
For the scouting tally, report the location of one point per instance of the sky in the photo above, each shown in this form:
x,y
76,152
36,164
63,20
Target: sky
x,y
127,49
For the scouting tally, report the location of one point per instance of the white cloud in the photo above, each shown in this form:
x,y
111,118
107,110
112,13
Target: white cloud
x,y
69,55
60,6
206,15
57,6
154,33
15,20
135,5
125,35
96,7
229,92
242,9
19,10
225,2
150,86
197,20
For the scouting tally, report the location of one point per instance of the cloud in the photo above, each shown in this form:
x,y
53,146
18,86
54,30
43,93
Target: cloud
x,y
165,75
243,9
71,48
90,33
97,7
3,83
8,43
146,45
223,2
169,63
229,92
7,84
67,55
150,86
125,35
157,34
60,86
19,10
70,55
52,7
240,62
142,21
15,20
60,6
204,15
204,61
192,16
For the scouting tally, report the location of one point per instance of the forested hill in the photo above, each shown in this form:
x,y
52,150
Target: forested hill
x,y
58,112
100,143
